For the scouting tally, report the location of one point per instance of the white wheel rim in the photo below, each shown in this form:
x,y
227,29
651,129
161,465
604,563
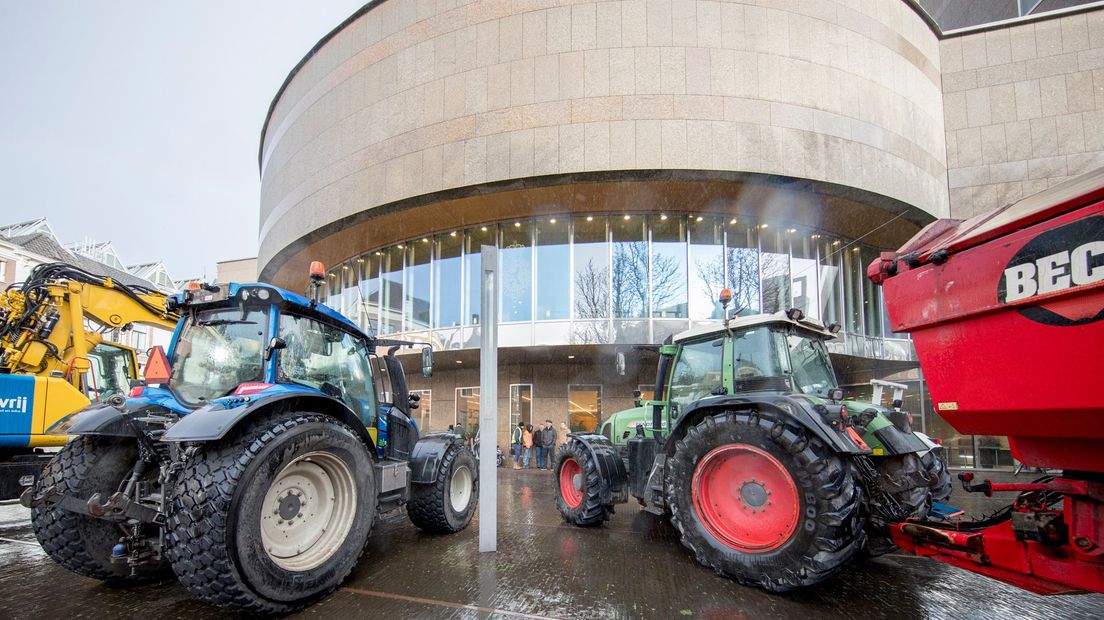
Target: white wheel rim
x,y
460,488
308,511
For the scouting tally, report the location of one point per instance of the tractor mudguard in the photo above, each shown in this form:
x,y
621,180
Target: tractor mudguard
x,y
425,460
94,420
610,466
797,409
215,420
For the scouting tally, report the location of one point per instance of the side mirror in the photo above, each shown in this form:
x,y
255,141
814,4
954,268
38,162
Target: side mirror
x,y
427,362
274,345
836,395
620,364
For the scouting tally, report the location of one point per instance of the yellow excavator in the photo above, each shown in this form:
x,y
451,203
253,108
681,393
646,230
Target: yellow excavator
x,y
56,358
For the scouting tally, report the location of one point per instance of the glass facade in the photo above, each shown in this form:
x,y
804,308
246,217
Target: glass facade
x,y
614,278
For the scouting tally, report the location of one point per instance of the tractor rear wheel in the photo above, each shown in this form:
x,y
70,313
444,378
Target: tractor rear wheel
x,y
760,501
83,544
275,516
578,486
447,505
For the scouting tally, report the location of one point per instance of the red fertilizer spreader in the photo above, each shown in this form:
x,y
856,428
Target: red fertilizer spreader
x,y
1006,311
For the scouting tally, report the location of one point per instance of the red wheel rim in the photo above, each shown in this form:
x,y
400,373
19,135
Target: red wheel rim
x,y
569,473
745,498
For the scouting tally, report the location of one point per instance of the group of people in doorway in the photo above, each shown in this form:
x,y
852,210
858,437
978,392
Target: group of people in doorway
x,y
536,448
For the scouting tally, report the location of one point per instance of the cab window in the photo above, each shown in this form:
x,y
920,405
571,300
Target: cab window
x,y
697,373
329,360
112,370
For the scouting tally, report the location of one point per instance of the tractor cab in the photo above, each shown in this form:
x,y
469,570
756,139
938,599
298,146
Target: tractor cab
x,y
240,343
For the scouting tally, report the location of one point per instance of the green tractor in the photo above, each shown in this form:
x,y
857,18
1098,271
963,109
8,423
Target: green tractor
x,y
770,476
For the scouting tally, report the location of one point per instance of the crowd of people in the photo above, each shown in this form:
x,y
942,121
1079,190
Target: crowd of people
x,y
535,448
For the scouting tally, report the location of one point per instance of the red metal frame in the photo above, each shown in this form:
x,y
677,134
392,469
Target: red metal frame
x,y
998,552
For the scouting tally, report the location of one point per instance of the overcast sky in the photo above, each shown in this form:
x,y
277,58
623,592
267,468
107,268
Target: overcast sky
x,y
138,122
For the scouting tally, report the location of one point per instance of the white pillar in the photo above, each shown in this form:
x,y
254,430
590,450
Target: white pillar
x,y
488,402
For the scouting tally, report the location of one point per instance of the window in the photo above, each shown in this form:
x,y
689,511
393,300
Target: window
x,y
424,413
742,266
668,275
707,268
584,404
516,262
475,239
803,281
447,282
697,372
592,275
111,371
629,275
391,282
553,274
416,312
831,288
218,351
647,392
368,308
467,411
329,360
775,270
521,404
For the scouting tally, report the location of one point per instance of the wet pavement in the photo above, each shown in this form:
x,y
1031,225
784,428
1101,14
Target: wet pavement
x,y
633,567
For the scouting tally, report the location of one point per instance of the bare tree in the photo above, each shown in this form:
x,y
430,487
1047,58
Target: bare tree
x,y
743,278
631,285
591,291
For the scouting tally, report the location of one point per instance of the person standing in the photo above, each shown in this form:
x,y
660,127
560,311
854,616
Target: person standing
x,y
550,443
538,444
526,445
515,443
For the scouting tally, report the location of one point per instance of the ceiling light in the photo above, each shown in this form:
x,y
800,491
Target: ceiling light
x,y
483,228
400,246
732,221
814,236
459,361
791,230
360,260
552,221
762,226
517,224
627,218
698,219
452,234
425,240
570,357
662,216
590,218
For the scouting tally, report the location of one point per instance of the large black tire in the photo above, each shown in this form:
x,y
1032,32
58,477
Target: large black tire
x,y
81,543
942,483
819,527
579,486
218,547
447,505
905,477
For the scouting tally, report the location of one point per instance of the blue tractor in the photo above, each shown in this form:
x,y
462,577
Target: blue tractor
x,y
254,460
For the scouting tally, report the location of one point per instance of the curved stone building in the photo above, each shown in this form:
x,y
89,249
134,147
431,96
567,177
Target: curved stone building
x,y
629,158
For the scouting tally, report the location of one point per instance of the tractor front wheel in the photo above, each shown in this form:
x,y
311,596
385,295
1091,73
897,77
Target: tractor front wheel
x,y
942,484
579,486
760,501
275,516
447,505
81,543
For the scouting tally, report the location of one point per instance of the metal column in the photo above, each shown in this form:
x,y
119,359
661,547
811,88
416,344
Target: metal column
x,y
488,401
